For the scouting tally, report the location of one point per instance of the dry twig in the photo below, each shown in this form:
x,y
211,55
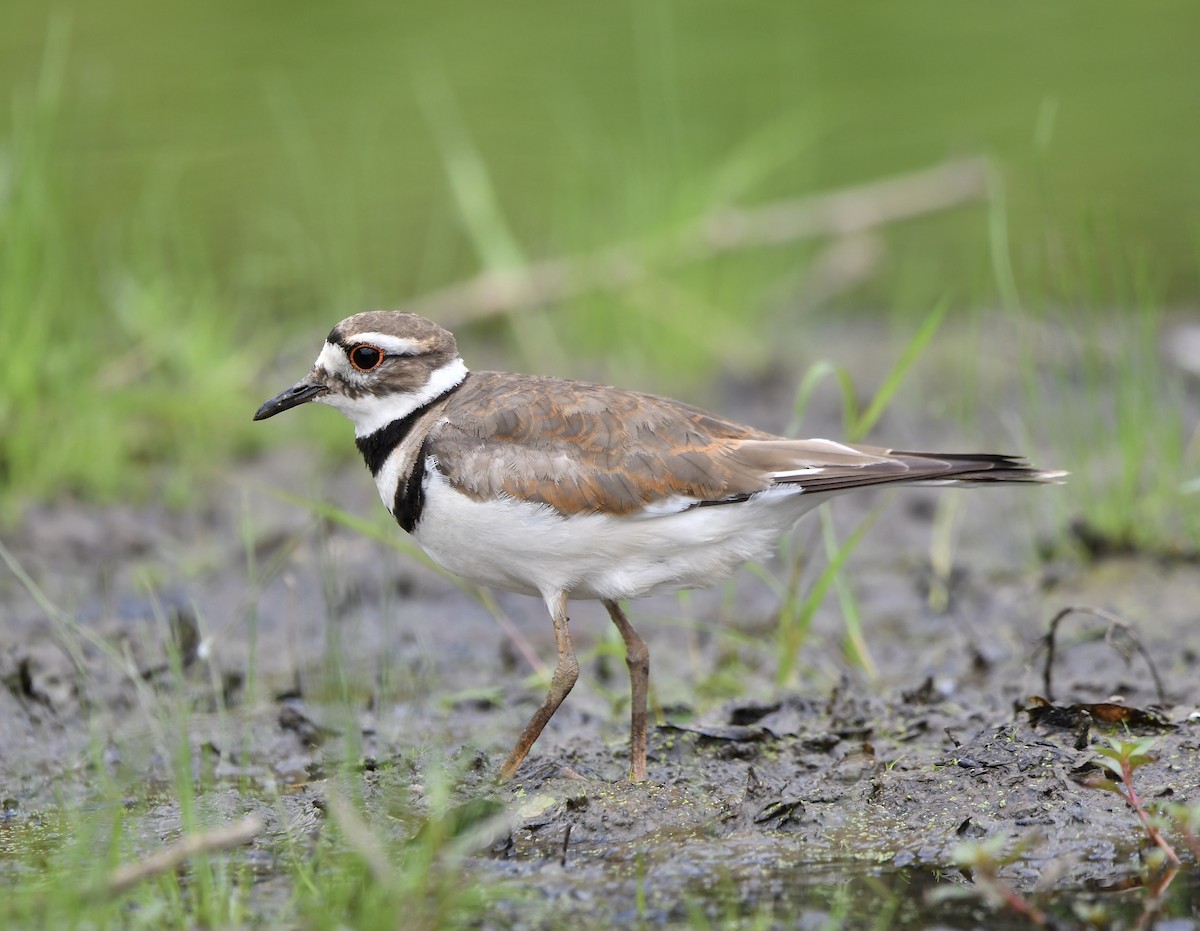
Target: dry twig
x,y
165,861
1115,624
849,212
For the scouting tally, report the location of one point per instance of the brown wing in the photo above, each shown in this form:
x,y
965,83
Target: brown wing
x,y
580,447
584,448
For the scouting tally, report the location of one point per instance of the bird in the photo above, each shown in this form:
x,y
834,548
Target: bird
x,y
566,490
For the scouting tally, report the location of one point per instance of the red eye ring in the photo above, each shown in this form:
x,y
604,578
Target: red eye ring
x,y
365,357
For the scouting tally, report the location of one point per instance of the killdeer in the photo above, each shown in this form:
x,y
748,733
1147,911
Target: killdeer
x,y
561,489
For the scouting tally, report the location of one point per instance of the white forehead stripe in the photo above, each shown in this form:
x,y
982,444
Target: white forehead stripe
x,y
395,345
332,358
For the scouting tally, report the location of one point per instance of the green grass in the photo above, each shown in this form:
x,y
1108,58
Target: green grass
x,y
153,291
122,353
406,868
1127,434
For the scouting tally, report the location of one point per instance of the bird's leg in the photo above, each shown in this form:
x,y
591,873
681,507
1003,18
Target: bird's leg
x,y
565,674
637,658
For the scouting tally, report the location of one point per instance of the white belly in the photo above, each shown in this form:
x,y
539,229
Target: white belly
x,y
517,546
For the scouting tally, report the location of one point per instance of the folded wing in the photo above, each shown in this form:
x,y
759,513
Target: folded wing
x,y
582,448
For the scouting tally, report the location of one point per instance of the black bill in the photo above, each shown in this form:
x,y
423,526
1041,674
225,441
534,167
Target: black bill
x,y
289,398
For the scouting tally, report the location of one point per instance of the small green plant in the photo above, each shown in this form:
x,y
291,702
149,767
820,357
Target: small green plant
x,y
1122,758
856,420
983,860
1185,820
797,610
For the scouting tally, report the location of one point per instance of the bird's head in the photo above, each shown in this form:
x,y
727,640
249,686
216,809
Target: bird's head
x,y
376,367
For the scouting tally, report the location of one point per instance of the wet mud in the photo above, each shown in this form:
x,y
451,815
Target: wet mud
x,y
301,660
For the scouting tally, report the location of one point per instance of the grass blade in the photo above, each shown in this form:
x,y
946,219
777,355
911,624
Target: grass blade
x,y
793,633
862,425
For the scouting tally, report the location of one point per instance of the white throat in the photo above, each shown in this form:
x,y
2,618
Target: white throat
x,y
372,412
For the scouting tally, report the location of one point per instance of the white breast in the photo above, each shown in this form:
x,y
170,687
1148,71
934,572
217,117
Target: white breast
x,y
529,548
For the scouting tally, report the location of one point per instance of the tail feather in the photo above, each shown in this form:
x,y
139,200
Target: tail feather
x,y
990,467
936,469
817,466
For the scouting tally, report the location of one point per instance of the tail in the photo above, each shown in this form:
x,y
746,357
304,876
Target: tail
x,y
894,466
974,468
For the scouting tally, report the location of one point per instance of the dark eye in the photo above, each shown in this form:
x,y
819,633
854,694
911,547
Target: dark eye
x,y
364,357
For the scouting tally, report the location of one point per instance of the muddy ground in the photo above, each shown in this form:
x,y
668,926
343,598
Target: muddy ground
x,y
324,645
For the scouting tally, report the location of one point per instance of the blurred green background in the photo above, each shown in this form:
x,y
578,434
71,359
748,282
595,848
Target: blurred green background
x,y
192,193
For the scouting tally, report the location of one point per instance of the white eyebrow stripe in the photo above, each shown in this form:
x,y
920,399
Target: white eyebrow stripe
x,y
393,345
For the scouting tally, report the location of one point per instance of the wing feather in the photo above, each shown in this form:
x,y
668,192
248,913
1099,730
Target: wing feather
x,y
582,448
